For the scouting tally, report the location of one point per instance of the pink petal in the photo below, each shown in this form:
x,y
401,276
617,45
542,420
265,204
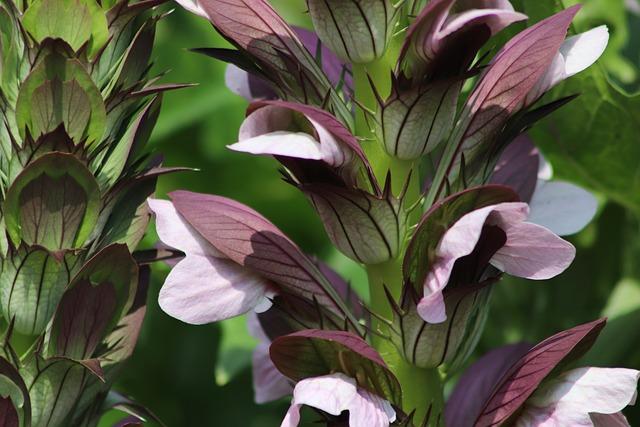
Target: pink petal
x,y
369,410
576,54
246,85
609,420
205,286
533,252
265,120
336,393
268,383
194,7
204,289
495,19
176,233
330,393
457,242
571,397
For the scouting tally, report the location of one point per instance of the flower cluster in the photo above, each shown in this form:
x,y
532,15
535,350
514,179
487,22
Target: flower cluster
x,y
410,146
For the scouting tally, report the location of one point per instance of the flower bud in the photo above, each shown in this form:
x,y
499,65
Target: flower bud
x,y
429,345
413,122
366,228
357,31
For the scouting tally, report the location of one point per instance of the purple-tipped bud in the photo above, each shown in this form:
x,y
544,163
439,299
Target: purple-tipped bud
x,y
357,31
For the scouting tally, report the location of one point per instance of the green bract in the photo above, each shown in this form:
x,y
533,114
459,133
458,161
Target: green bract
x,y
77,108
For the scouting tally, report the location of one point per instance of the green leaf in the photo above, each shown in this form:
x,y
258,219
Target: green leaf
x,y
234,351
31,285
74,21
60,91
53,203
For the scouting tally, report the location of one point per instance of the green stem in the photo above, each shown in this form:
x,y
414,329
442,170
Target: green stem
x,y
422,388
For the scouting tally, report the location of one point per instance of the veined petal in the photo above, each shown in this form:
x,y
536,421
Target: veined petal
x,y
571,397
280,143
533,252
562,207
204,289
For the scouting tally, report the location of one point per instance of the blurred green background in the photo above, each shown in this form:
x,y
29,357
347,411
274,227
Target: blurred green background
x,y
199,376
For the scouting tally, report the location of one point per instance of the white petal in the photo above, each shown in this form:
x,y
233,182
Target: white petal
x,y
582,50
545,170
571,397
268,383
201,289
457,242
334,152
174,231
265,120
237,80
194,7
369,410
562,207
533,252
330,393
281,143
